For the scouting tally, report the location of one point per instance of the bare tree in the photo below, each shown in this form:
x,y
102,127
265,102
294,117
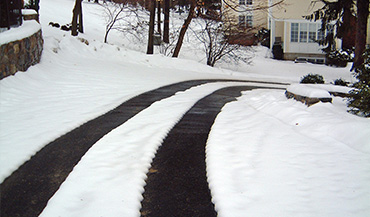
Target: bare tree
x,y
77,18
184,28
231,5
261,5
159,18
113,13
126,17
166,23
150,49
218,40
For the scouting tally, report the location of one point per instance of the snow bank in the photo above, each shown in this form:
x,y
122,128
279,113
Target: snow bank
x,y
27,29
308,91
269,156
28,12
317,90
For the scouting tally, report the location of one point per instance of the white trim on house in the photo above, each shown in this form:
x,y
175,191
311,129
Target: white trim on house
x,y
304,45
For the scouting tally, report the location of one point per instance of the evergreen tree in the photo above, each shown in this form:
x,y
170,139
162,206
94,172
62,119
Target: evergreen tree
x,y
342,14
359,101
361,31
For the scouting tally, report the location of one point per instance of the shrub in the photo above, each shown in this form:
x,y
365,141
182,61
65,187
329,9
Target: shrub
x,y
277,51
263,36
359,101
312,79
338,58
341,82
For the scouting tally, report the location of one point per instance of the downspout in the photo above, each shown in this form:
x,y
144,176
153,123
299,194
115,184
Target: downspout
x,y
272,24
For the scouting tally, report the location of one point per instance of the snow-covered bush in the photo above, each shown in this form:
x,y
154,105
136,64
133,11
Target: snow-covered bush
x,y
339,58
263,37
312,79
32,4
341,82
359,101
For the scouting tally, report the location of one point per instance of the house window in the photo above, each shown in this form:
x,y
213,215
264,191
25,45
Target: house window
x,y
245,2
294,32
249,21
320,34
307,32
303,32
246,21
241,20
312,33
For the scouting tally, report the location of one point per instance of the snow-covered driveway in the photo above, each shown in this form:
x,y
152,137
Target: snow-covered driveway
x,y
129,157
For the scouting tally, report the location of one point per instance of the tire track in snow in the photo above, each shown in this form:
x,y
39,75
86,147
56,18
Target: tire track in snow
x,y
177,182
27,191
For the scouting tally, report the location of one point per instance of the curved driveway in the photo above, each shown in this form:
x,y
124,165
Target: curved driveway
x,y
27,191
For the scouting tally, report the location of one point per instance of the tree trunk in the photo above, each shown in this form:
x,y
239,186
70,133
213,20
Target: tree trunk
x,y
80,22
348,29
361,27
159,17
166,27
183,29
150,49
76,11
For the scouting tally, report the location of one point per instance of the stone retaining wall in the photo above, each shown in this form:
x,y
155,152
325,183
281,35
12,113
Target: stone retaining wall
x,y
34,16
306,100
21,54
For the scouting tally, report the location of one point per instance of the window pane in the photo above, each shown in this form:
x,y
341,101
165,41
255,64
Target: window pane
x,y
241,20
303,32
249,2
241,2
294,32
312,33
320,33
249,21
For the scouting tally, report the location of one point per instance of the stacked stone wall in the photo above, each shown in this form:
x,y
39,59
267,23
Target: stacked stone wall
x,y
20,55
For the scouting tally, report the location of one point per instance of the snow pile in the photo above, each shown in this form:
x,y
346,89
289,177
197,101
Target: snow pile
x,y
269,156
317,90
27,29
28,12
308,91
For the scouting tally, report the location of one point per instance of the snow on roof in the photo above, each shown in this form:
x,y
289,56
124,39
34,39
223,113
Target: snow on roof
x,y
27,29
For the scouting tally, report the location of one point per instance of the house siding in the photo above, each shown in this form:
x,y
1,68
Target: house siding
x,y
279,18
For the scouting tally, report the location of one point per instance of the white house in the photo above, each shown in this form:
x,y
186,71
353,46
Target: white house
x,y
288,27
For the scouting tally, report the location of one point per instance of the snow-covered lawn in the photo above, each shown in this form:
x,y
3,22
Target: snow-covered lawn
x,y
266,156
278,157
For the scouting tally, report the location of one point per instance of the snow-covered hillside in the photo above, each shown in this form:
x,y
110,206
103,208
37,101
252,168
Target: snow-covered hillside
x,y
266,156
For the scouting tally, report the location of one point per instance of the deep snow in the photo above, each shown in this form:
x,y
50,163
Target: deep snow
x,y
266,155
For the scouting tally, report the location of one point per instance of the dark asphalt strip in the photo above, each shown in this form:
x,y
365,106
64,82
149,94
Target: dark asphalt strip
x,y
27,190
177,183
